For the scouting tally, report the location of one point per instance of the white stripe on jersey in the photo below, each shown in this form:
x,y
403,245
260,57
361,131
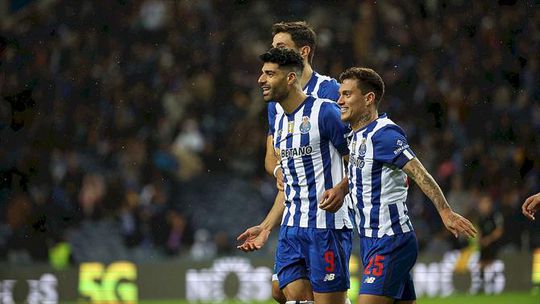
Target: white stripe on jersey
x,y
408,154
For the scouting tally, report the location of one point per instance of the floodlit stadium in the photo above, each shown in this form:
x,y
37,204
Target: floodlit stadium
x,y
133,141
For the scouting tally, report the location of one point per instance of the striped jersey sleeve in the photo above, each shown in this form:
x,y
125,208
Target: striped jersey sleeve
x,y
391,147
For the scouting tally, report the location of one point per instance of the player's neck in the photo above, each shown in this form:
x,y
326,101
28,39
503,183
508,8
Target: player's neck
x,y
364,120
307,72
293,100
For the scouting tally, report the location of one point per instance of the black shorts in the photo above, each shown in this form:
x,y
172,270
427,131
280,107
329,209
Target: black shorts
x,y
488,253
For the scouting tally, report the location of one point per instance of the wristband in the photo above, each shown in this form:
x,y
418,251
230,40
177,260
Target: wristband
x,y
275,170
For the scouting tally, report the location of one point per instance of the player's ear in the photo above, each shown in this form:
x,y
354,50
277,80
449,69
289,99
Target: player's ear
x,y
304,51
292,77
370,98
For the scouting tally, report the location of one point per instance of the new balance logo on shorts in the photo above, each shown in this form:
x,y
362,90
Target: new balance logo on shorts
x,y
329,277
369,280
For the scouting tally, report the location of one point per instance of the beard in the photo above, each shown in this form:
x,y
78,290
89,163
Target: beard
x,y
279,92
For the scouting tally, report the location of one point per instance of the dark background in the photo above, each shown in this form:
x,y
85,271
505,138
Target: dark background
x,y
136,129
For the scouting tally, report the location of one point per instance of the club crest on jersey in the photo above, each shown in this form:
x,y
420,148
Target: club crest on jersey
x,y
363,148
305,126
290,127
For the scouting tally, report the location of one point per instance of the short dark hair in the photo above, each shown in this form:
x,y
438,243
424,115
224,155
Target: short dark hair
x,y
284,58
301,33
367,80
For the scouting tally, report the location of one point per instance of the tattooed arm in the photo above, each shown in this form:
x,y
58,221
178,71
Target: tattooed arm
x,y
454,222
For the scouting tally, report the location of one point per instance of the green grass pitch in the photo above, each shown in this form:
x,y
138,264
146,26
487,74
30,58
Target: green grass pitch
x,y
506,298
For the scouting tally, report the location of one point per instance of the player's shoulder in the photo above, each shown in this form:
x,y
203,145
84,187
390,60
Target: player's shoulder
x,y
328,87
274,108
386,128
326,80
326,104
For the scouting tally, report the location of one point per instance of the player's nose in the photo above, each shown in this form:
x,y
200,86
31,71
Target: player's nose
x,y
261,80
340,101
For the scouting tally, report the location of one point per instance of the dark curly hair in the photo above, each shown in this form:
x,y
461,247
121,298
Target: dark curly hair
x,y
284,58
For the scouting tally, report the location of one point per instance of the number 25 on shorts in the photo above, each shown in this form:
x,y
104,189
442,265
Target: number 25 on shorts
x,y
375,266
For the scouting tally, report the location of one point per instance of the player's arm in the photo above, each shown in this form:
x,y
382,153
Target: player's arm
x,y
271,163
454,222
255,237
332,199
270,158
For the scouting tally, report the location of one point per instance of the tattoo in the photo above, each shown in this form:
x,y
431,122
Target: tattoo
x,y
428,185
364,119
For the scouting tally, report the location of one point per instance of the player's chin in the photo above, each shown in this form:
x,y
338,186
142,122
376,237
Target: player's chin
x,y
345,117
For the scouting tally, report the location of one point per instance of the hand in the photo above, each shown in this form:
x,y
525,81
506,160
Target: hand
x,y
254,238
457,224
279,180
531,206
332,199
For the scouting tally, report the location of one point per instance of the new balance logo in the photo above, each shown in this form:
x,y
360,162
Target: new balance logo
x,y
369,280
329,277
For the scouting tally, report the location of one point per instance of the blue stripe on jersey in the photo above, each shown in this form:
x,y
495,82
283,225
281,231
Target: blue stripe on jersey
x,y
394,218
351,216
310,172
308,89
376,173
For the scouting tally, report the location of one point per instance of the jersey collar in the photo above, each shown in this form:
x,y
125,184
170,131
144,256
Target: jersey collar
x,y
310,85
372,124
308,98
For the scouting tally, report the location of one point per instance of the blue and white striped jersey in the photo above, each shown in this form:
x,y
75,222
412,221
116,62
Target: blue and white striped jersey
x,y
310,143
377,183
318,86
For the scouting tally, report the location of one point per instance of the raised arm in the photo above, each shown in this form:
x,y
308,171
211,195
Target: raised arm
x,y
454,222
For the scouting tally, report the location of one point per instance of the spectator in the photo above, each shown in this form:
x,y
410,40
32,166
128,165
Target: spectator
x,y
161,98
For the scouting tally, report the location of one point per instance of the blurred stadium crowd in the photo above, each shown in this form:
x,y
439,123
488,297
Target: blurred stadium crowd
x,y
136,129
